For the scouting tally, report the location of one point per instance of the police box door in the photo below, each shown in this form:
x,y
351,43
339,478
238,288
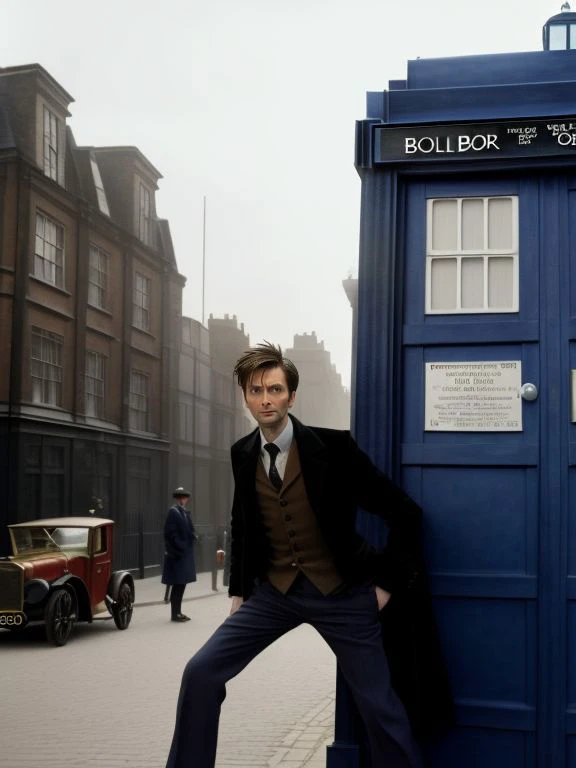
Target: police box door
x,y
489,305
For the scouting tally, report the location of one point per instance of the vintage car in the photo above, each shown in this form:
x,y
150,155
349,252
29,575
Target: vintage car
x,y
60,573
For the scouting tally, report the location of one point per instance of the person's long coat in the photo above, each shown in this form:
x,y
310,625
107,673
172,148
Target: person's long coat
x,y
340,478
179,537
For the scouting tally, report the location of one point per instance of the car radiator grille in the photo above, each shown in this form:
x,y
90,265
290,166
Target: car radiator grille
x,y
11,587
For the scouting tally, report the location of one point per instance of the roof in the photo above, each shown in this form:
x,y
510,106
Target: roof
x,y
65,522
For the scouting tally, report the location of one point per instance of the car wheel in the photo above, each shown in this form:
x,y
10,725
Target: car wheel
x,y
60,616
123,607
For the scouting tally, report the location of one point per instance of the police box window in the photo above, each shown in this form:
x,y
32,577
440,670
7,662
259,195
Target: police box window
x,y
472,255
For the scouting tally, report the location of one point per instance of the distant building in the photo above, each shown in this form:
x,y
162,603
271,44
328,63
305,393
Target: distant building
x,y
322,400
229,342
210,416
90,319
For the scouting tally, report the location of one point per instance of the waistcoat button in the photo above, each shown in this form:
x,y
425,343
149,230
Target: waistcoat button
x,y
283,503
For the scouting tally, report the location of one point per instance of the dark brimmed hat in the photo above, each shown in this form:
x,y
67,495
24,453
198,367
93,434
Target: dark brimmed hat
x,y
180,492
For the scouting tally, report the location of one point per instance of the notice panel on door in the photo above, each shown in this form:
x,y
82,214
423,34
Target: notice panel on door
x,y
478,396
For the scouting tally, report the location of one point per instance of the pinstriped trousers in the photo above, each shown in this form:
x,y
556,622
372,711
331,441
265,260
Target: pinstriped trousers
x,y
348,622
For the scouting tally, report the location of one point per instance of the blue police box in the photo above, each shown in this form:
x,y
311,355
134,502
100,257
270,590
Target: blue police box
x,y
466,375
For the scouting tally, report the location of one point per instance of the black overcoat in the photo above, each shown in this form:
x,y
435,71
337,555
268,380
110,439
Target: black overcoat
x,y
339,478
179,537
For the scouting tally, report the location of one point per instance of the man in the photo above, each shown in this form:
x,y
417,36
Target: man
x,y
295,558
179,566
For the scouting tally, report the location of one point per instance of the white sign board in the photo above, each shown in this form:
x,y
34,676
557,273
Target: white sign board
x,y
474,397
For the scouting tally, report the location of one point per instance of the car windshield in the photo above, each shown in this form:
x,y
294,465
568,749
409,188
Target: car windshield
x,y
50,539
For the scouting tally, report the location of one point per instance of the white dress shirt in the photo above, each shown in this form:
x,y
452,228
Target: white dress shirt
x,y
283,442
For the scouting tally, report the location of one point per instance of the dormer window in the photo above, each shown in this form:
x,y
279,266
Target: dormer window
x,y
50,144
100,191
144,230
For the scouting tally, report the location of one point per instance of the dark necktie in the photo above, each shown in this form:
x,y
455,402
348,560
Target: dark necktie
x,y
273,473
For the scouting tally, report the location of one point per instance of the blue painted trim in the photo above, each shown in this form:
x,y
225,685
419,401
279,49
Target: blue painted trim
x,y
469,330
551,606
515,717
484,586
482,103
485,455
571,453
492,69
571,587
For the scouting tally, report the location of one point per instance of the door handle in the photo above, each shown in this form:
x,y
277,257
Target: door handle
x,y
528,392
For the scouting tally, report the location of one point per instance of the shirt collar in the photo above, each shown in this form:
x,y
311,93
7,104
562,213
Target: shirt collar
x,y
284,439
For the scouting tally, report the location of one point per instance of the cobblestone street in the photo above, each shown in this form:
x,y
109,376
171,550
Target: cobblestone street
x,y
107,699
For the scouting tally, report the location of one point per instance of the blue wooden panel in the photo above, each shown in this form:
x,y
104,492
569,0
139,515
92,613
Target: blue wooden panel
x,y
571,751
571,538
479,748
490,659
479,519
571,664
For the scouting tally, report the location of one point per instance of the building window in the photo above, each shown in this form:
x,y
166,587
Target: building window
x,y
138,401
186,422
472,255
141,302
49,251
94,384
144,215
50,144
46,367
100,191
98,277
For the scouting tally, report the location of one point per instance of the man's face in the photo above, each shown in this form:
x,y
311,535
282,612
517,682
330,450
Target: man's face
x,y
182,500
268,398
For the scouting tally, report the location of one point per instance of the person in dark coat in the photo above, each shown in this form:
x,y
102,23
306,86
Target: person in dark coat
x,y
179,567
296,557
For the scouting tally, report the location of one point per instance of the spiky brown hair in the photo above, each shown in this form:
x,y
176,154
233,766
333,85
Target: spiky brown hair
x,y
260,357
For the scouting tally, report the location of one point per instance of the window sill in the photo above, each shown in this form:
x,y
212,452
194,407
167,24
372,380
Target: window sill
x,y
49,285
143,331
102,310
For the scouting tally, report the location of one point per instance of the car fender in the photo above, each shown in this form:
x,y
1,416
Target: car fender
x,y
75,582
116,580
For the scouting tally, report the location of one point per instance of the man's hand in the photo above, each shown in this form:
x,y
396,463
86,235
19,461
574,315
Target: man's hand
x,y
381,595
236,603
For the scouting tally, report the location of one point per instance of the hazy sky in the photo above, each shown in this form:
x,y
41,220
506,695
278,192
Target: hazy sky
x,y
252,103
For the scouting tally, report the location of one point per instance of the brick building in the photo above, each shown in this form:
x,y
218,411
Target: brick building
x,y
90,321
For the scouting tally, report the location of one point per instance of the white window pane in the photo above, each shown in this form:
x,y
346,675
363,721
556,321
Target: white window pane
x,y
557,37
501,282
472,283
443,284
472,225
572,36
444,225
500,222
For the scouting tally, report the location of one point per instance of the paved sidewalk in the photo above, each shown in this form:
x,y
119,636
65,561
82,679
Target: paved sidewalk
x,y
108,698
305,744
150,591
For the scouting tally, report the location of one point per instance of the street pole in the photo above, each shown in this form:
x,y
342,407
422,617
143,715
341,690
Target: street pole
x,y
203,259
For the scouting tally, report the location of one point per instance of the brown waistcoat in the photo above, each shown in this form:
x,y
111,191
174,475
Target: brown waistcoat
x,y
292,530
